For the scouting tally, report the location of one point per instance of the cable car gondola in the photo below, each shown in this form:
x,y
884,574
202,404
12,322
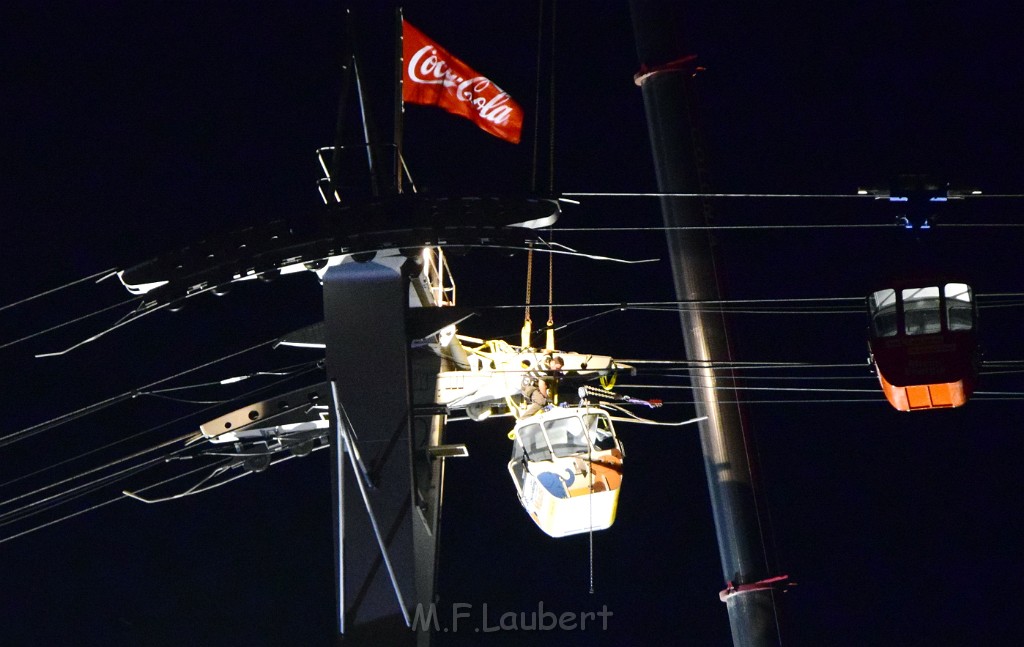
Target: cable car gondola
x,y
923,344
567,467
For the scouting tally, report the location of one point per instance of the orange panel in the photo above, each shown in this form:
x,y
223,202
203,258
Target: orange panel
x,y
941,395
924,396
918,396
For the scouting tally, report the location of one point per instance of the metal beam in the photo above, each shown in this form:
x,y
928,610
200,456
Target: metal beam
x,y
367,363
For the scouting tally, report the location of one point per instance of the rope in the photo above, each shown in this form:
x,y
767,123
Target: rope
x,y
590,502
551,297
529,283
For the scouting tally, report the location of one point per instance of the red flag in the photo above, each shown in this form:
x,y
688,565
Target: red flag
x,y
434,77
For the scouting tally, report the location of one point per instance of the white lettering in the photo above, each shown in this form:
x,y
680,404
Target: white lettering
x,y
567,621
494,109
488,628
544,617
583,618
507,621
421,620
427,68
458,615
425,619
432,69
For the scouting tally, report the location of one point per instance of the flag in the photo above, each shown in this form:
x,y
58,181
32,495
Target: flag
x,y
433,77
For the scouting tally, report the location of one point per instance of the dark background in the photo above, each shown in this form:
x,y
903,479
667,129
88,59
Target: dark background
x,y
129,129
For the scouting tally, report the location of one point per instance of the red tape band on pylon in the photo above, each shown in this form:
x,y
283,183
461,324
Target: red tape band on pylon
x,y
768,583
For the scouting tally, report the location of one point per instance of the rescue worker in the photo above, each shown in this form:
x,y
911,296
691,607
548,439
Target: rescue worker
x,y
539,388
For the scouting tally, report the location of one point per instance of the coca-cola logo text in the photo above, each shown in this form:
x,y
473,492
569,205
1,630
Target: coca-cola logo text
x,y
427,68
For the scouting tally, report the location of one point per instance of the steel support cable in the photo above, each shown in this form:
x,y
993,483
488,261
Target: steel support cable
x,y
69,322
993,225
752,310
1007,372
1019,394
108,465
782,373
984,225
583,319
751,305
978,396
754,388
722,228
129,318
879,400
756,378
68,496
627,305
105,503
856,196
551,103
280,371
240,397
288,371
200,487
65,496
686,363
171,398
654,194
670,368
196,488
99,276
536,99
38,428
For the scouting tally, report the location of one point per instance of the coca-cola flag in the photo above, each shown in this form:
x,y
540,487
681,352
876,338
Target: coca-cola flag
x,y
433,77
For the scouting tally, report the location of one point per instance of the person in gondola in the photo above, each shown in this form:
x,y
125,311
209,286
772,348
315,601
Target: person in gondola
x,y
540,388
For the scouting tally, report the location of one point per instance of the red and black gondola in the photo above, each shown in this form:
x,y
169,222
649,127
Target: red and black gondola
x,y
923,343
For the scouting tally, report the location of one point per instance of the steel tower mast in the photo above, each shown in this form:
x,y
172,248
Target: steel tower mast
x,y
666,79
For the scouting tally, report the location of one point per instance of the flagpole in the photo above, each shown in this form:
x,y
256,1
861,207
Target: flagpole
x,y
399,100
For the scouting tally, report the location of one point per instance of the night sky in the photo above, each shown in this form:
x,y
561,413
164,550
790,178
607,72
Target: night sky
x,y
131,129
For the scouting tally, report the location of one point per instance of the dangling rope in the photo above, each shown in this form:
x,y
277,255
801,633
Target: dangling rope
x,y
590,538
524,338
550,338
